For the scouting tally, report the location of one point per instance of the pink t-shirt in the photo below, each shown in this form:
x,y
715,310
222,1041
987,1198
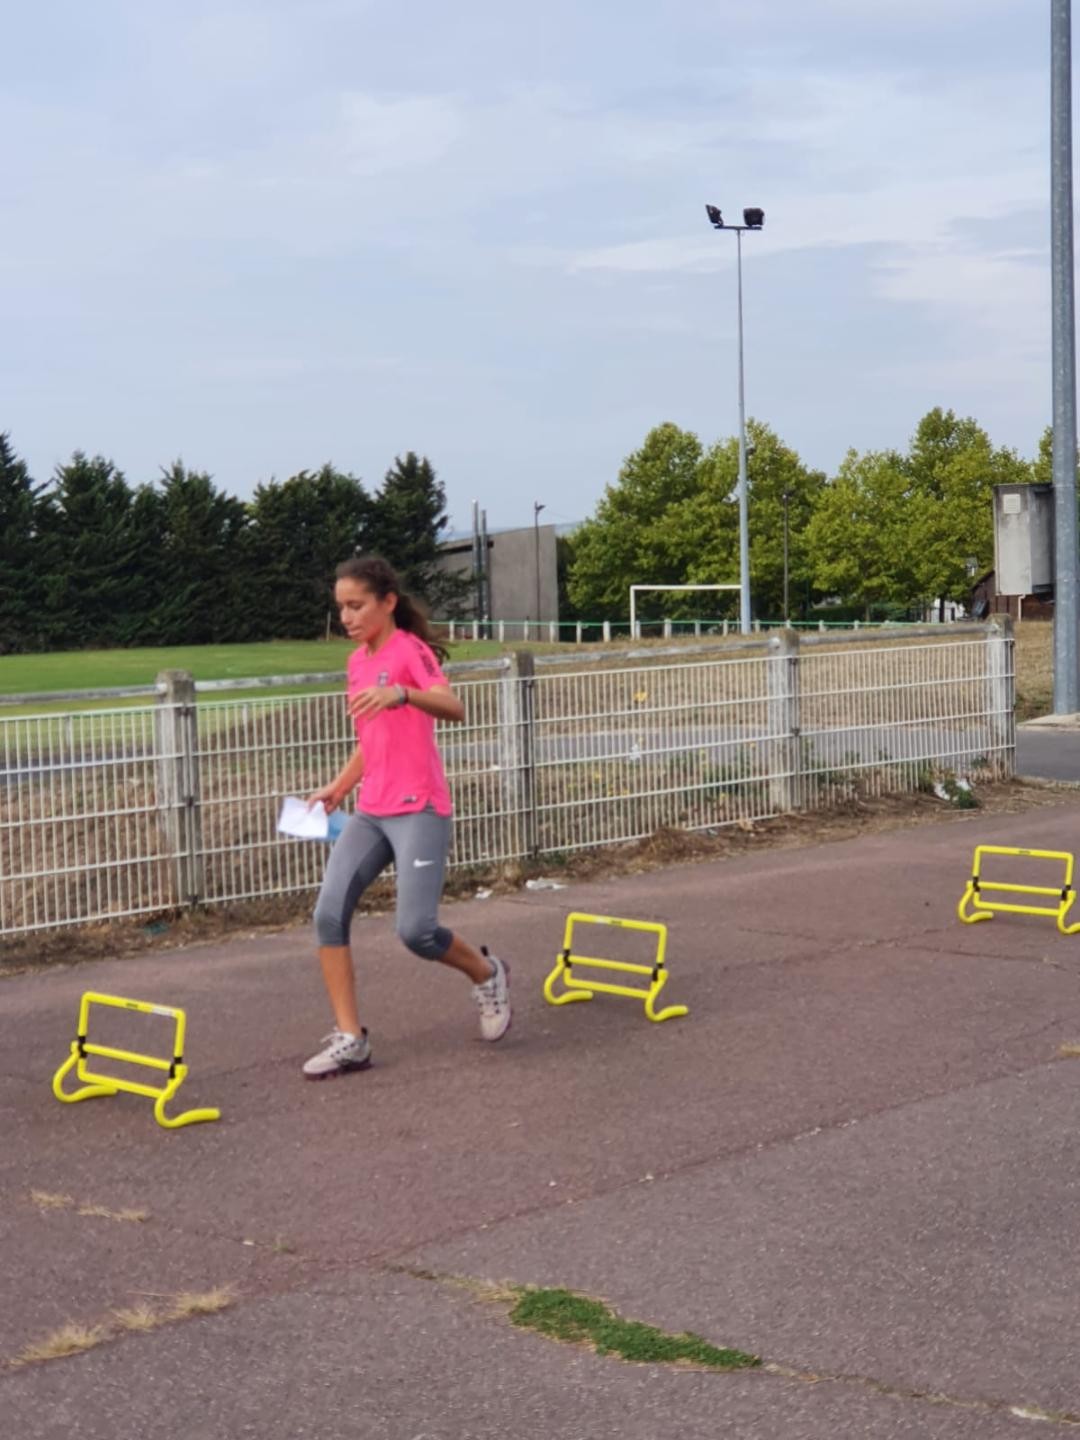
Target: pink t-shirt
x,y
402,768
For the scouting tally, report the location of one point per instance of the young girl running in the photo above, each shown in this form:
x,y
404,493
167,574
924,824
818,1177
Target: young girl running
x,y
396,692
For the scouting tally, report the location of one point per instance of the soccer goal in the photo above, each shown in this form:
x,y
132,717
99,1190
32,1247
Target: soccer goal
x,y
636,590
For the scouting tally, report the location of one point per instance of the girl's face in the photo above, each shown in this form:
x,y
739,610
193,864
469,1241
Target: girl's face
x,y
364,617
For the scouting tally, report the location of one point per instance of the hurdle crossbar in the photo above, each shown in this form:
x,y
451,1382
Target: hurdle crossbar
x,y
95,1084
576,988
975,905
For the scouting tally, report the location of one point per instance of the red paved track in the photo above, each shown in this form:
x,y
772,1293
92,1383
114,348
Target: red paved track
x,y
857,1157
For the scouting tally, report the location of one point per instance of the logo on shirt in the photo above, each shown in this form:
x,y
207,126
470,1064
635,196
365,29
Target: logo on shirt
x,y
384,677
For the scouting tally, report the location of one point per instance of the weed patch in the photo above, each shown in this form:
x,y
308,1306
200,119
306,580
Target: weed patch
x,y
579,1320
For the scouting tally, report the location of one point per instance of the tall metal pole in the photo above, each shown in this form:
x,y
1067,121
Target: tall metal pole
x,y
537,507
787,614
478,560
1066,656
485,574
744,510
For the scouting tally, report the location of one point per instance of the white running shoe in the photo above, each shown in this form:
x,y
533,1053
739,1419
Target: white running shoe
x,y
342,1054
493,999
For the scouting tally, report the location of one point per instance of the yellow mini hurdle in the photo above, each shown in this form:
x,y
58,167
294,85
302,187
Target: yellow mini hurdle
x,y
82,1047
578,989
983,909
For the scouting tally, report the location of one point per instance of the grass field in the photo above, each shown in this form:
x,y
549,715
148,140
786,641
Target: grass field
x,y
1034,669
103,669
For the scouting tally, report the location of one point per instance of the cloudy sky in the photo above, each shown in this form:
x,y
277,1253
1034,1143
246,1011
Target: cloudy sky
x,y
262,234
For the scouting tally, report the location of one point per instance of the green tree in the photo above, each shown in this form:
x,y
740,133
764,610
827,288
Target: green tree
x,y
858,544
672,518
300,530
952,468
90,553
629,540
199,552
709,521
20,558
408,519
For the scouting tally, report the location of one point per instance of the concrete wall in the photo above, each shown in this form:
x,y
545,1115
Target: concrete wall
x,y
512,567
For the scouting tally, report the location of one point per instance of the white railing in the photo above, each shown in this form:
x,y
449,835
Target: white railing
x,y
122,812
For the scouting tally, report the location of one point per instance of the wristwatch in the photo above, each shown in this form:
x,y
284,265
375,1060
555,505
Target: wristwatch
x,y
404,696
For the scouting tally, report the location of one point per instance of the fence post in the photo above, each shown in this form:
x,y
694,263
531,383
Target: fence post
x,y
1001,693
577,633
177,767
784,749
517,753
607,632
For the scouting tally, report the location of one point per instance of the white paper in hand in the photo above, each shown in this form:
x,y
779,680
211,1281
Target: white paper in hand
x,y
296,819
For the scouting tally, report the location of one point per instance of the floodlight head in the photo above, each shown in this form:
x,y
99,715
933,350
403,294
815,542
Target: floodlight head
x,y
716,220
753,219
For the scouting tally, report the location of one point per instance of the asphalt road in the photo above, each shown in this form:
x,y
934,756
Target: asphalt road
x,y
855,1157
1048,754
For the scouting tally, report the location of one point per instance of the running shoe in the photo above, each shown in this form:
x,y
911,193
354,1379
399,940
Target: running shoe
x,y
342,1054
493,999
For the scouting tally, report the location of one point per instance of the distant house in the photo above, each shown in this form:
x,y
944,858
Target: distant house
x,y
985,602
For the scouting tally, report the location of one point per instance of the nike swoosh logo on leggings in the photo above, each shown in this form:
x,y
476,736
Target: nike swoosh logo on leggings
x,y
419,864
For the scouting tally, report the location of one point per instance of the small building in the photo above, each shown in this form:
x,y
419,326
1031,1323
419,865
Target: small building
x,y
986,602
522,573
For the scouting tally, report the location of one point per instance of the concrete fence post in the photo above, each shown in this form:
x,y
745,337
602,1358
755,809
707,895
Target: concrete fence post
x,y
177,775
1001,693
784,745
607,632
517,755
577,632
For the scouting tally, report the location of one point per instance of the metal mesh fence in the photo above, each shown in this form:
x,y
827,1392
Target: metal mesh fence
x,y
123,812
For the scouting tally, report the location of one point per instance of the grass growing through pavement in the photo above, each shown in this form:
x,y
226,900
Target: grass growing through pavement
x,y
73,1338
579,1320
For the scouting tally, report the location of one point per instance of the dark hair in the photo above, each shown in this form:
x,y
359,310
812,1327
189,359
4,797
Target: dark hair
x,y
381,579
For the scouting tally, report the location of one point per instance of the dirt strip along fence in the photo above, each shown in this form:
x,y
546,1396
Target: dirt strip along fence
x,y
109,813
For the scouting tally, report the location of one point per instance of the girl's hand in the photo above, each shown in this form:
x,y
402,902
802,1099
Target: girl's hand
x,y
375,698
329,797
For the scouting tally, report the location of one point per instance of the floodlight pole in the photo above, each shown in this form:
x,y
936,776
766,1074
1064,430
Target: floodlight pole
x,y
744,497
753,220
1066,653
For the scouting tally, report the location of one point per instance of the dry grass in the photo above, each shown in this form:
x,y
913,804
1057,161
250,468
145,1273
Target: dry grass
x,y
70,1339
1034,669
202,1302
136,1318
102,1212
73,1338
44,1200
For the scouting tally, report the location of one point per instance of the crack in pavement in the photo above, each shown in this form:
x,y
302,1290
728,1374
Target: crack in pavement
x,y
503,1295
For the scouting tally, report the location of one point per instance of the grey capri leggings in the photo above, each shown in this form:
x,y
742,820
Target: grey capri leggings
x,y
418,844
